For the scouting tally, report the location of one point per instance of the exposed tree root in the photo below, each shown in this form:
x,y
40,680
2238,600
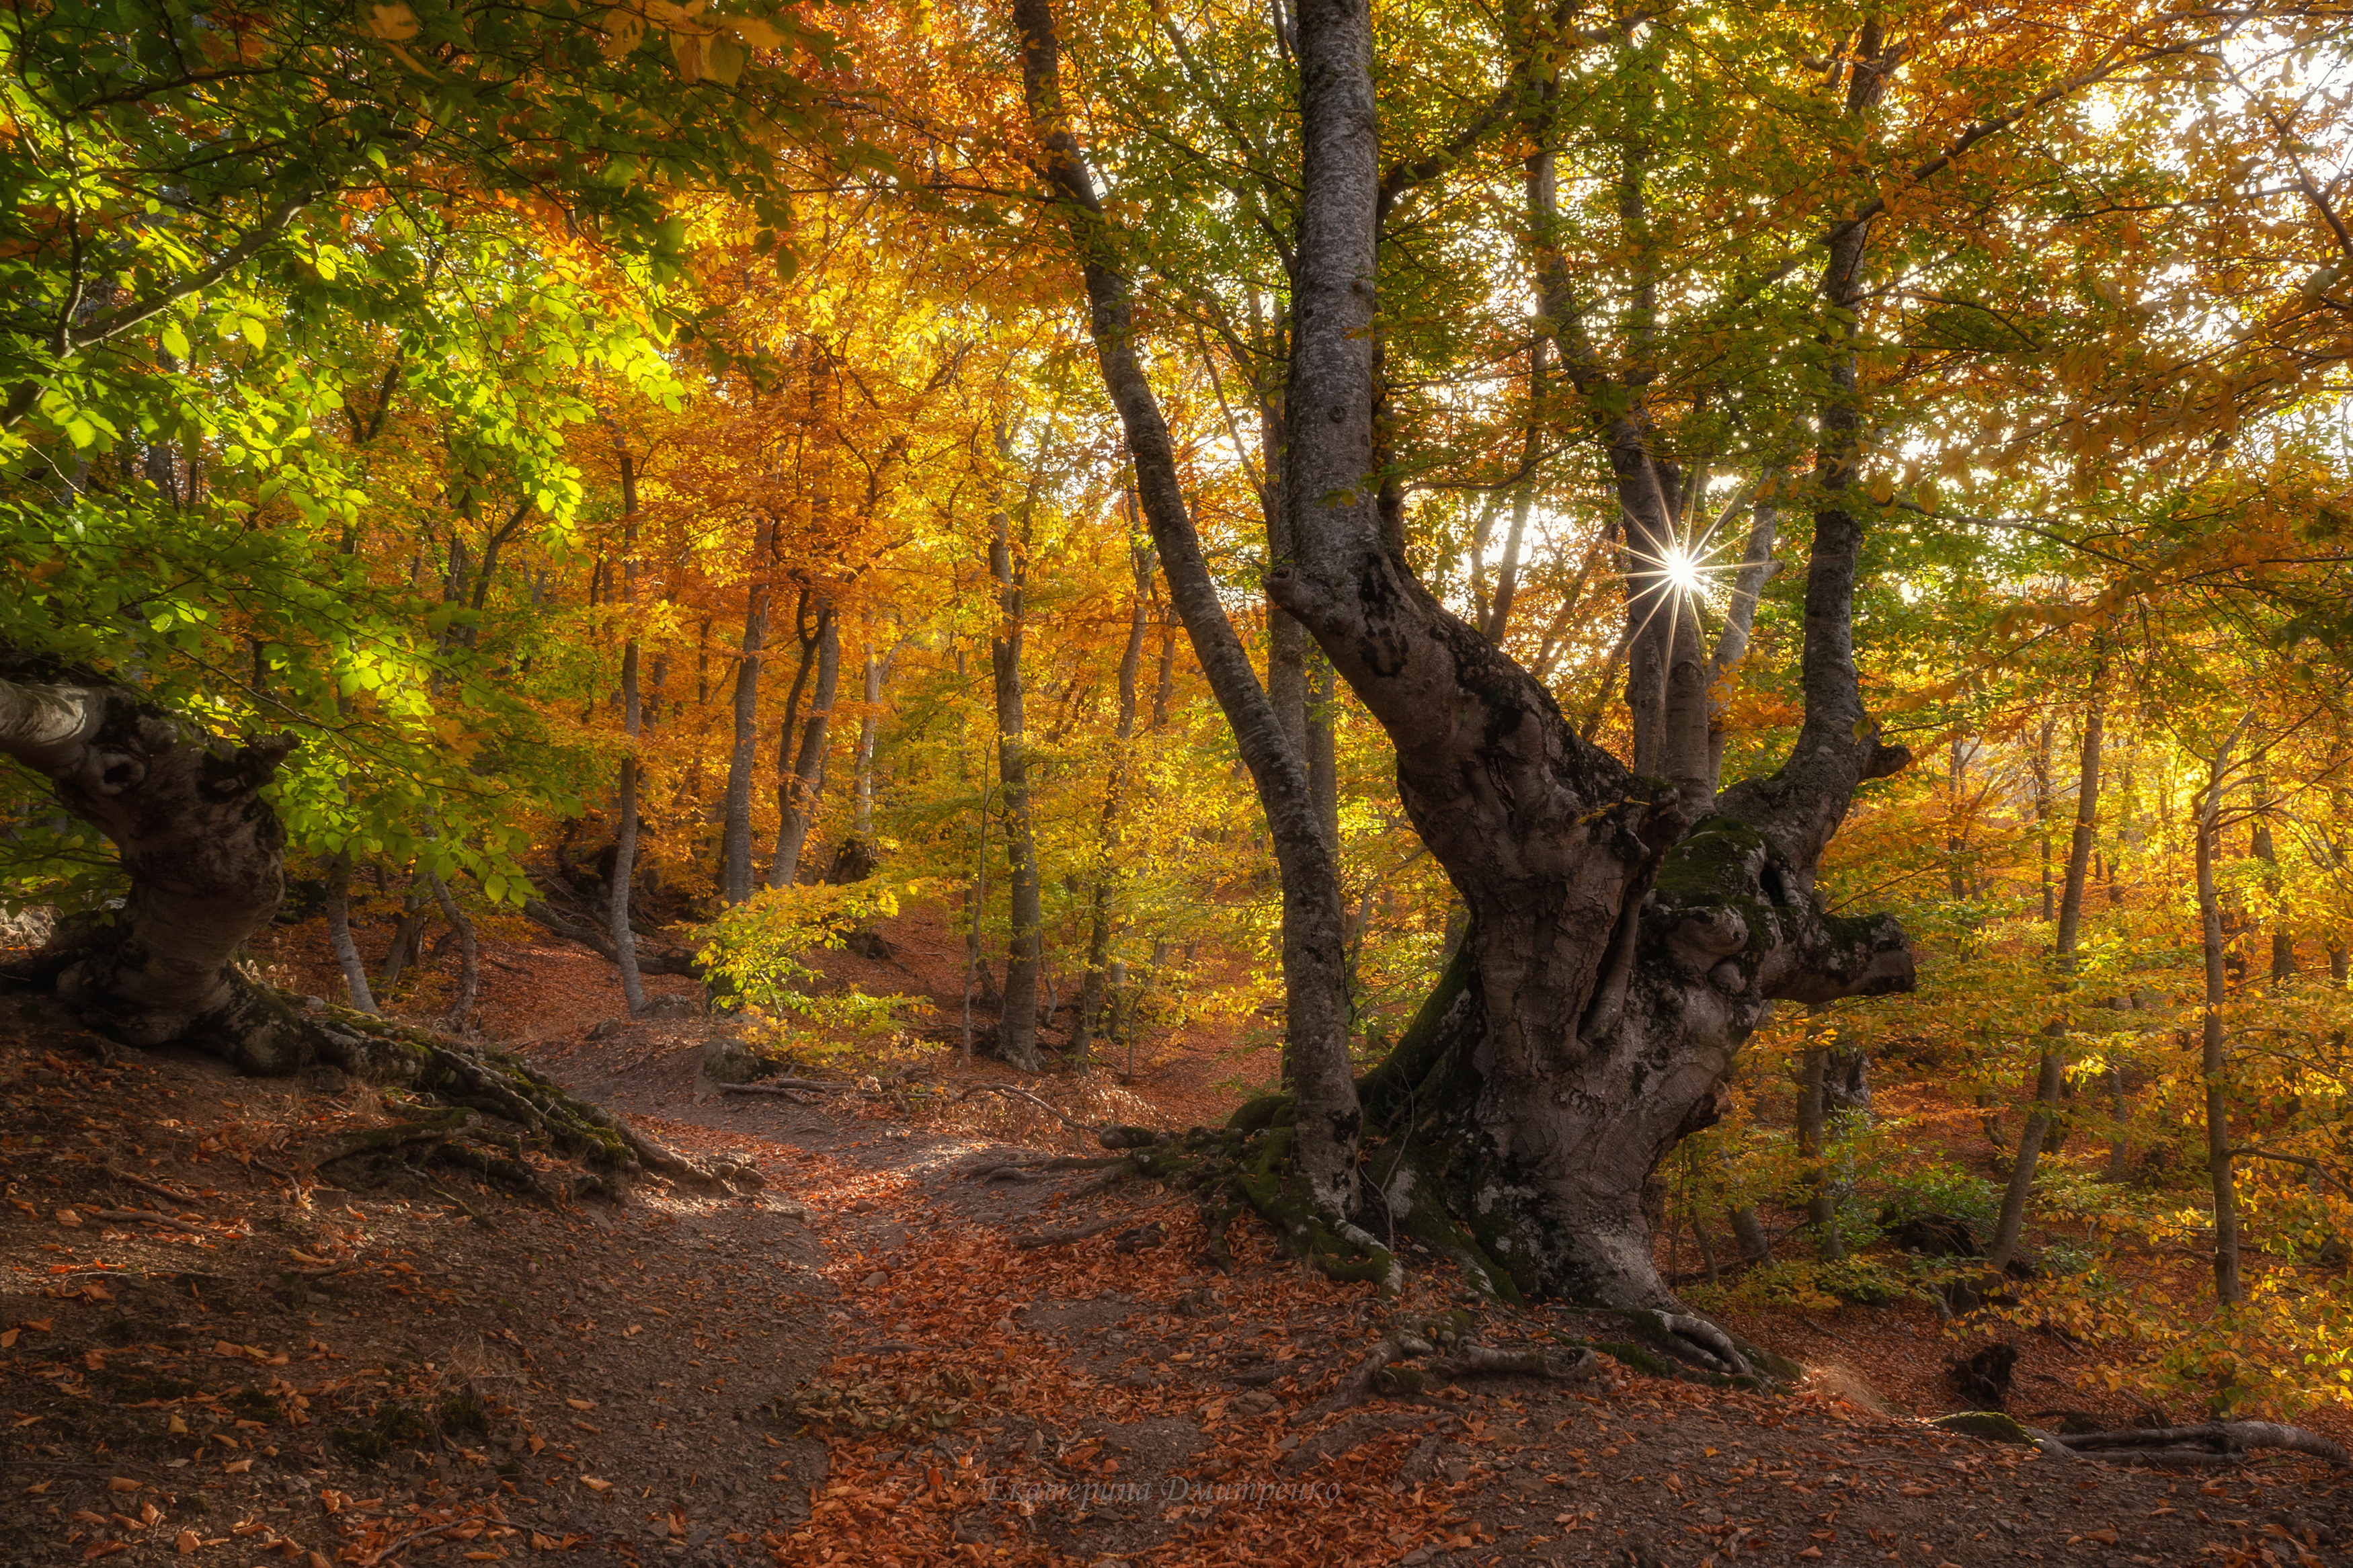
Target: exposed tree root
x,y
2223,1442
1380,1373
1064,1237
495,1083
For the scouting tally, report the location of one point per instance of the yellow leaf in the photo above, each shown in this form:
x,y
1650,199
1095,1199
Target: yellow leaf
x,y
395,24
754,32
1882,489
723,61
623,31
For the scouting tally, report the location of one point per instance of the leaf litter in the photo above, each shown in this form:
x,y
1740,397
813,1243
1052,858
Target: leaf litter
x,y
864,1366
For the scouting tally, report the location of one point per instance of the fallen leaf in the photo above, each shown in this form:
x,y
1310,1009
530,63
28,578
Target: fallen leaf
x,y
68,1218
187,1542
8,1337
581,1404
593,1485
237,1467
120,1484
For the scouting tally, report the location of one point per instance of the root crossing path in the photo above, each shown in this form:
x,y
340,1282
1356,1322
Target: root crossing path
x,y
886,1357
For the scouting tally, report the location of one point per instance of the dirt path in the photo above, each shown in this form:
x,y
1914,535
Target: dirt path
x,y
863,1365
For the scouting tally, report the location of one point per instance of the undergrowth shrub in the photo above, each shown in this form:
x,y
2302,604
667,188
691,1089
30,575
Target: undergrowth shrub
x,y
756,954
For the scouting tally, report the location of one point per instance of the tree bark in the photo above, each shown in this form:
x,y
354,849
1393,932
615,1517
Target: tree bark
x,y
2259,841
1813,1117
2213,1061
339,934
203,851
2049,1069
802,789
1130,661
624,831
878,674
1017,1022
1315,1050
736,872
470,956
1618,949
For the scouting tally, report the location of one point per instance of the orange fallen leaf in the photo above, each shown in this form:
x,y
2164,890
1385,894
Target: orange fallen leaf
x,y
120,1484
593,1485
581,1404
237,1467
105,1549
68,1218
186,1542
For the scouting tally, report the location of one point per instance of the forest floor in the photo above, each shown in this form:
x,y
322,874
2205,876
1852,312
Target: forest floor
x,y
210,1354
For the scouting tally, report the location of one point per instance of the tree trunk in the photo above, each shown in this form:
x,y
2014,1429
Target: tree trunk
x,y
2213,1063
1620,949
861,814
1755,1246
203,853
625,832
1090,990
1315,1049
1822,1199
736,872
1016,1021
407,934
2260,842
2049,1069
470,956
802,790
339,934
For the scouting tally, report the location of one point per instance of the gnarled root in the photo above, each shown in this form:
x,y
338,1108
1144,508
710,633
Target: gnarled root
x,y
2219,1443
1381,1371
495,1083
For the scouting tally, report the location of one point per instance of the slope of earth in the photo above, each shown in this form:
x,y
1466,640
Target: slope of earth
x,y
212,1355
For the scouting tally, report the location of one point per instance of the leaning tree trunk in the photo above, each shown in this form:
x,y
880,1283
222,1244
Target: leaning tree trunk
x,y
1621,945
1326,1128
204,855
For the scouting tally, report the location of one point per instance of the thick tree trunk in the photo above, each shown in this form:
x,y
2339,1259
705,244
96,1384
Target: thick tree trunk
x,y
1016,1023
1620,950
1316,1048
736,871
802,790
203,853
